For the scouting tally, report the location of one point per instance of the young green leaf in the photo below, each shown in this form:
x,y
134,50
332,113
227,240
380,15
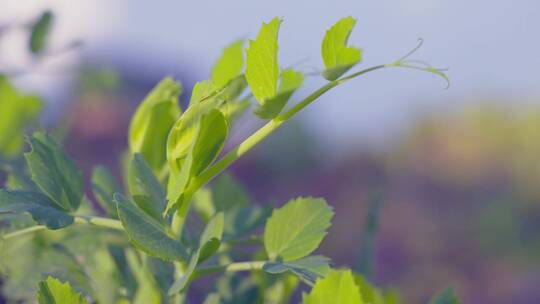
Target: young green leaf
x,y
18,111
211,237
229,65
308,269
40,32
201,90
291,80
104,186
52,291
296,229
54,172
42,209
208,140
152,122
337,56
146,233
447,296
262,69
145,188
336,287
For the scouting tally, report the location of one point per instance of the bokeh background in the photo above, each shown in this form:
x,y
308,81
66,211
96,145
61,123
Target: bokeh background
x,y
457,170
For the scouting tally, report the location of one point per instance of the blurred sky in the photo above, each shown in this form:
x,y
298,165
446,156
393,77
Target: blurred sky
x,y
492,48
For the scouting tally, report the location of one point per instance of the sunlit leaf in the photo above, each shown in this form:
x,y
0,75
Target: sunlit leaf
x,y
337,56
54,172
336,287
208,138
291,80
229,65
296,229
262,69
152,122
52,291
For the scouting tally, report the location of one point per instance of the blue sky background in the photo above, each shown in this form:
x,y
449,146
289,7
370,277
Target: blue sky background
x,y
491,47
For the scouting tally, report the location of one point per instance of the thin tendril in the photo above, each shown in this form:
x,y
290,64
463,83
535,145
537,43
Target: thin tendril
x,y
416,48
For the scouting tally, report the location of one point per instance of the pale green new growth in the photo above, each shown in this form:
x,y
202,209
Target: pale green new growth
x,y
152,122
296,229
337,56
229,65
291,80
52,291
262,69
337,287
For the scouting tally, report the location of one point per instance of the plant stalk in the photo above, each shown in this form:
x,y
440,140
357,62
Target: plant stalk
x,y
78,220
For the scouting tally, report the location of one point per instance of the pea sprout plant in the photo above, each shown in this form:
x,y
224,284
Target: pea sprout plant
x,y
177,217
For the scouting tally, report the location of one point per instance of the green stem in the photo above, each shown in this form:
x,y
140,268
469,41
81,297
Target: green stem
x,y
267,129
79,220
234,267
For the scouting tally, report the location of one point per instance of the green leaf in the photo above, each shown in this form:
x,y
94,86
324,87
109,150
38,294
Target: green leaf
x,y
291,80
208,140
202,90
145,188
180,284
208,244
370,293
211,237
336,287
447,296
40,32
308,269
296,229
54,172
152,122
337,56
262,69
104,186
18,111
52,291
146,233
41,208
229,65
